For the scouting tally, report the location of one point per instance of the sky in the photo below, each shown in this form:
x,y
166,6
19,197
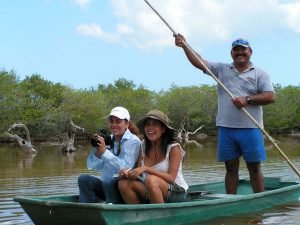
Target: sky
x,y
83,43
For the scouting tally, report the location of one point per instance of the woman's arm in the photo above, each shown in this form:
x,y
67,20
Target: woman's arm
x,y
93,162
170,176
124,173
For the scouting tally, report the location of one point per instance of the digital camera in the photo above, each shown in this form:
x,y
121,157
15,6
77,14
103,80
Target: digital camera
x,y
103,133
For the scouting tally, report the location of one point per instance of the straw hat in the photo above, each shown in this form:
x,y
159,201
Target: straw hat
x,y
157,115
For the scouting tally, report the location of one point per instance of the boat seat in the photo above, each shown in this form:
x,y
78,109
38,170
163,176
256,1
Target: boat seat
x,y
218,196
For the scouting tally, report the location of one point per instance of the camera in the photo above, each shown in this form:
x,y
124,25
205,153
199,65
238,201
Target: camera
x,y
103,133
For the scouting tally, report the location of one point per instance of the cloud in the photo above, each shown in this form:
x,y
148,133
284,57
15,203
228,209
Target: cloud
x,y
94,30
292,15
82,3
206,21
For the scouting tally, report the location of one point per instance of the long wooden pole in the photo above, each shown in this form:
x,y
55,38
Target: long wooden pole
x,y
227,91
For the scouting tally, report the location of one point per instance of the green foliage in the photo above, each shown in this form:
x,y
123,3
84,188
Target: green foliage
x,y
47,108
284,115
194,106
137,100
9,99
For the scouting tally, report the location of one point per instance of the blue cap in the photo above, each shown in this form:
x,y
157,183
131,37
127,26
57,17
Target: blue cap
x,y
241,42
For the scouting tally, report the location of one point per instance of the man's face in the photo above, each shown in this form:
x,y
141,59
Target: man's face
x,y
241,55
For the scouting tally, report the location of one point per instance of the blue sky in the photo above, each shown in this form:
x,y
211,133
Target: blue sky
x,y
83,43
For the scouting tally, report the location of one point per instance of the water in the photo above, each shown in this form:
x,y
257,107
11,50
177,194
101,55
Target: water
x,y
52,172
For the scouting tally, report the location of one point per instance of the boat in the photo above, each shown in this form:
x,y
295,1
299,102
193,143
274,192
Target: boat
x,y
203,202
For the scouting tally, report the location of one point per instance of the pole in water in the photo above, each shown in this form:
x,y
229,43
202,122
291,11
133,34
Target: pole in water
x,y
227,91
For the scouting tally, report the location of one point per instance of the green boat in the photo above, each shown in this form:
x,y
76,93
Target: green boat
x,y
203,202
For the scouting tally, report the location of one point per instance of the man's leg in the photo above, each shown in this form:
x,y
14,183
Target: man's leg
x,y
90,189
256,177
254,153
232,176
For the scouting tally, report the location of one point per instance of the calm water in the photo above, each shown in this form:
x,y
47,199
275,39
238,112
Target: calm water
x,y
52,172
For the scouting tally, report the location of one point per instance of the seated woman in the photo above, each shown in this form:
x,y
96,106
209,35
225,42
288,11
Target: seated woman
x,y
122,153
158,176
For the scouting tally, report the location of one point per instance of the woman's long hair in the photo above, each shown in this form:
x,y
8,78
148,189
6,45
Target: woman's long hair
x,y
134,129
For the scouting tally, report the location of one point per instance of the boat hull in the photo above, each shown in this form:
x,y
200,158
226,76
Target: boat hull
x,y
65,210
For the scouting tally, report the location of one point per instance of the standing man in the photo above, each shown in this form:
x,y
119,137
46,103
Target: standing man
x,y
237,134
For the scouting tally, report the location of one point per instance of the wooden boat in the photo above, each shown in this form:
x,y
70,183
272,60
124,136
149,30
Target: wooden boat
x,y
204,201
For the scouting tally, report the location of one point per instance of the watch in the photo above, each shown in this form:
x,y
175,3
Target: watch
x,y
248,99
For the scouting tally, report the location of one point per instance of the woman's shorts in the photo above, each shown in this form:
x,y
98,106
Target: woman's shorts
x,y
175,194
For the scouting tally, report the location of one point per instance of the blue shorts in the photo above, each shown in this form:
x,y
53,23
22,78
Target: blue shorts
x,y
236,142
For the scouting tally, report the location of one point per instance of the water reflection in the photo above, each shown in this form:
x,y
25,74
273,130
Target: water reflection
x,y
68,160
52,172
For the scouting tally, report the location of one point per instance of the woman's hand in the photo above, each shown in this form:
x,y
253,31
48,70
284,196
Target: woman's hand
x,y
136,173
124,173
101,148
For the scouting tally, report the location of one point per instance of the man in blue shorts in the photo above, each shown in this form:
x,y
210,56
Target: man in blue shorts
x,y
238,135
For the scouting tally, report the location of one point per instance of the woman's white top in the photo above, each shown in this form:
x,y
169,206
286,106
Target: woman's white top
x,y
163,166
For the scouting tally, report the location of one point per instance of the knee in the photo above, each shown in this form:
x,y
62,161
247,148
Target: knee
x,y
232,166
254,171
254,168
151,182
82,179
231,170
109,182
85,181
123,185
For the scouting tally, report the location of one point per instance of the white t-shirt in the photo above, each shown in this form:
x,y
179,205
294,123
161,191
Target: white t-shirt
x,y
163,166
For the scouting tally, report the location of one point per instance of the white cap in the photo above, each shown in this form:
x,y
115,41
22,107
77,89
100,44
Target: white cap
x,y
120,112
